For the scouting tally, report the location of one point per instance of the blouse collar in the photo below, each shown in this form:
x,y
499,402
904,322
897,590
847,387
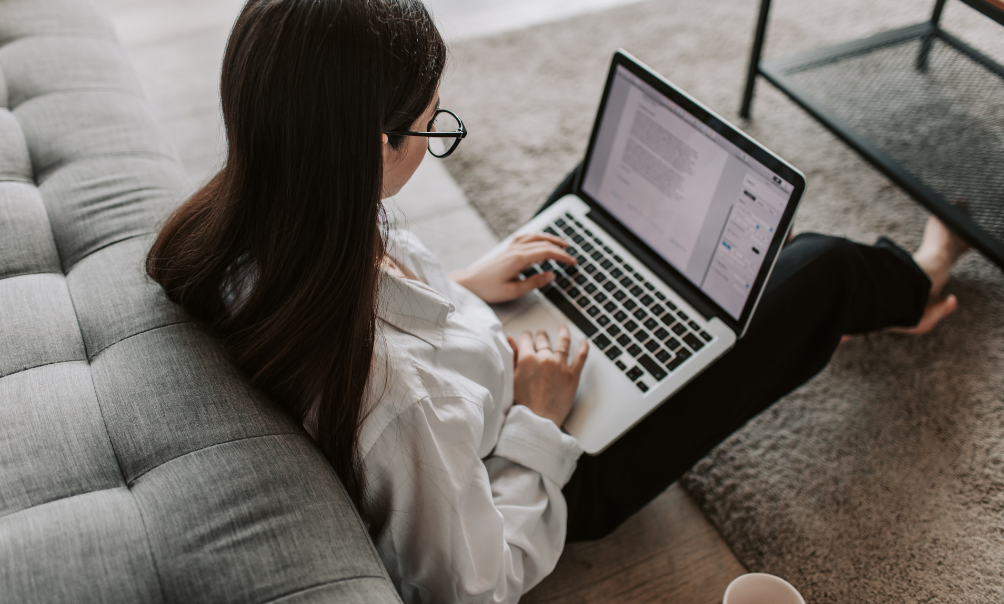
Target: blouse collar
x,y
413,307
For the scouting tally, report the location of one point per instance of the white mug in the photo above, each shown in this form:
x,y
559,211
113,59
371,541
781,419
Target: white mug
x,y
761,588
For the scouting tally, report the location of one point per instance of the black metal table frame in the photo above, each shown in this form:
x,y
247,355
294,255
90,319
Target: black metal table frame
x,y
774,71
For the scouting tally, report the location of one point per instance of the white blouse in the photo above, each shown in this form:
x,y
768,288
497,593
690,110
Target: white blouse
x,y
463,489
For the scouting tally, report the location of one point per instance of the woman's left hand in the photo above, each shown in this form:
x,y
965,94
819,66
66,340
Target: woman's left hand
x,y
498,279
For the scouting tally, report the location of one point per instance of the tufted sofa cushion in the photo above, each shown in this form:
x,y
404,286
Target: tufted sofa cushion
x,y
136,465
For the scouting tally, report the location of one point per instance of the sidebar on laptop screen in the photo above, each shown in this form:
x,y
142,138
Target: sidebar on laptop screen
x,y
703,204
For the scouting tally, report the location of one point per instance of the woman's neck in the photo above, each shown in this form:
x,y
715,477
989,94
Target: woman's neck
x,y
396,268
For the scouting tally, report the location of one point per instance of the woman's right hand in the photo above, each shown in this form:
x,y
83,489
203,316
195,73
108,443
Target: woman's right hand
x,y
544,380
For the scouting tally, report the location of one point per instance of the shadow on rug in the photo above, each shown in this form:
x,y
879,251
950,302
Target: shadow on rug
x,y
883,478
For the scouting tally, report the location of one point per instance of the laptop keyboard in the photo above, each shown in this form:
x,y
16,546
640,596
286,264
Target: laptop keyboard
x,y
620,311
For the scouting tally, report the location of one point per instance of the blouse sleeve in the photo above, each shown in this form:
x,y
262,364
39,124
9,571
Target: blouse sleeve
x,y
452,527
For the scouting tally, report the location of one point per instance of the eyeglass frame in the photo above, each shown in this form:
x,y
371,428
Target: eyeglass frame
x,y
453,134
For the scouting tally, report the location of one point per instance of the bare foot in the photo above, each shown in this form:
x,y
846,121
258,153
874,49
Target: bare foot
x,y
939,250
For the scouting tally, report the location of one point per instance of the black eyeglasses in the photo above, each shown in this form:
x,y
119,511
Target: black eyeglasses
x,y
446,130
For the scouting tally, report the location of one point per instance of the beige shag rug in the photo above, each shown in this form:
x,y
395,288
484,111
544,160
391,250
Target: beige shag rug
x,y
882,480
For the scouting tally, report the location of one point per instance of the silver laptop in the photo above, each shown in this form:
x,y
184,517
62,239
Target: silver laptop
x,y
676,220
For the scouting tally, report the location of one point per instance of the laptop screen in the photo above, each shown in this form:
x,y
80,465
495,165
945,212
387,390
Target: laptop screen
x,y
709,209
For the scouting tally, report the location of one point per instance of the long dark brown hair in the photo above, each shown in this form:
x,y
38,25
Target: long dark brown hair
x,y
279,253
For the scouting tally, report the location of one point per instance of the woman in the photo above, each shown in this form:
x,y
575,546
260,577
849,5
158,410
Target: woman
x,y
447,441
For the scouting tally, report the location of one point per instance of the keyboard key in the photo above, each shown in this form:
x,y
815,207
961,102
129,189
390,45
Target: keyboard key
x,y
587,247
634,373
660,333
619,295
529,271
600,277
637,291
608,250
610,307
651,324
673,343
646,300
606,264
603,320
568,230
624,340
660,295
573,314
618,258
707,336
598,240
593,311
693,341
559,222
674,363
630,304
590,288
613,353
609,286
634,350
641,386
669,320
619,316
588,232
651,345
614,329
574,293
584,301
663,356
590,268
679,329
616,273
597,255
601,341
578,239
640,314
580,279
628,268
551,231
657,309
621,365
627,283
648,363
641,336
649,286
630,325
579,224
600,298
694,326
683,316
683,353
548,265
571,251
571,271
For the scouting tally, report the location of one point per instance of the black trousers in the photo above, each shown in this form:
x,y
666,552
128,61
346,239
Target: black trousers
x,y
822,288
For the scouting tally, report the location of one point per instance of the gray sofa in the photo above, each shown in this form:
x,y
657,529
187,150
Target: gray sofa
x,y
136,465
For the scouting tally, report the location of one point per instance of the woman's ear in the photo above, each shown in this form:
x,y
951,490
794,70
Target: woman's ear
x,y
386,139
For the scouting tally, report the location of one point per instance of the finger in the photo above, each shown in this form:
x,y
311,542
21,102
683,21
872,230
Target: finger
x,y
564,341
580,357
531,283
542,341
549,238
544,251
526,344
515,350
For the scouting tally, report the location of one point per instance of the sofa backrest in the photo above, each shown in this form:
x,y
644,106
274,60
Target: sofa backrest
x,y
136,465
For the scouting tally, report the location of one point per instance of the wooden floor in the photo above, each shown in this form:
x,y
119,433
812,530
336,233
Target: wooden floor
x,y
668,552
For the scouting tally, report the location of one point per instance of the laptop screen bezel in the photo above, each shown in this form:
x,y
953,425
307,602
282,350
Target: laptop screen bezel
x,y
689,290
